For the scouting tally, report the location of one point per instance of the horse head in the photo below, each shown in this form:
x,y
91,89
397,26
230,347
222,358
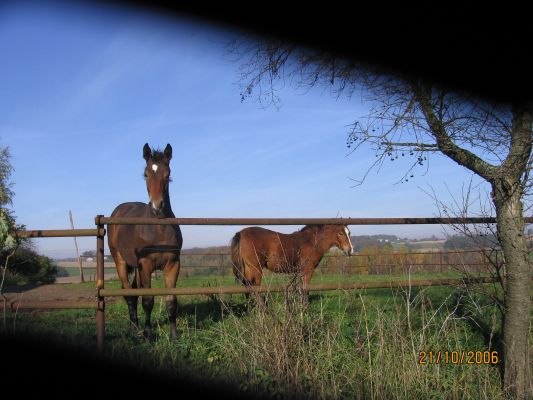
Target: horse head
x,y
343,240
157,176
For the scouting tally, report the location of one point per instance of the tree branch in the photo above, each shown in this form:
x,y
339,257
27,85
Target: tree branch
x,y
445,144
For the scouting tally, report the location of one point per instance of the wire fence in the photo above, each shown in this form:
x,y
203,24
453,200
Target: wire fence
x,y
372,261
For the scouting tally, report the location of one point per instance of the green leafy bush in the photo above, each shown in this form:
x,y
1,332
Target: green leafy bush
x,y
25,266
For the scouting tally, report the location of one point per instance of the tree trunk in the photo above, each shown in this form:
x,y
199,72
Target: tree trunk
x,y
518,285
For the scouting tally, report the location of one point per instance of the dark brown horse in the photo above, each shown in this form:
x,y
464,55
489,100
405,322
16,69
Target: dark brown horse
x,y
255,248
145,248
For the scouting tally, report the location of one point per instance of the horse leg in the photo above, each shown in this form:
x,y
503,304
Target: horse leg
x,y
171,276
246,284
239,278
305,284
131,301
253,275
145,272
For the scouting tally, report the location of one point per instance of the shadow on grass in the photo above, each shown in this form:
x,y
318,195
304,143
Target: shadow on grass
x,y
213,309
21,288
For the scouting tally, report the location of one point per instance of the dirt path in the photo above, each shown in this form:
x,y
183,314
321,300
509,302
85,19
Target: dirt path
x,y
53,292
76,279
63,289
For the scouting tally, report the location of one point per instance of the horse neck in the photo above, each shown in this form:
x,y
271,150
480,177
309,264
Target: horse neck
x,y
318,238
167,210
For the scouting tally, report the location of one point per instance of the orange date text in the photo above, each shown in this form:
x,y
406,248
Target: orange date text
x,y
458,357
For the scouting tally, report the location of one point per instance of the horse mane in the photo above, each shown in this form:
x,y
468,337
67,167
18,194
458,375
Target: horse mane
x,y
157,155
311,228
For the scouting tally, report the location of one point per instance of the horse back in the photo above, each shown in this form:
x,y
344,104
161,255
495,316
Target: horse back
x,y
270,249
133,241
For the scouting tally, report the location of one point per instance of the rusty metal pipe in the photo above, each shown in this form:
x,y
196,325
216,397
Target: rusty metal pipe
x,y
14,305
283,288
294,221
56,233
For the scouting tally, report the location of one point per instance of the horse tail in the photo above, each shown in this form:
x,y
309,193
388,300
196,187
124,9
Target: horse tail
x,y
236,259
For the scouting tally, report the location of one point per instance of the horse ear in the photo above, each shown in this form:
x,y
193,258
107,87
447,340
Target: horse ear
x,y
168,152
147,152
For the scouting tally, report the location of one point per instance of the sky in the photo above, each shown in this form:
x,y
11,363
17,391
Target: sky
x,y
83,88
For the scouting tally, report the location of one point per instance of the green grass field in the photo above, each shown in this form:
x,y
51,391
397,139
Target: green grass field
x,y
344,344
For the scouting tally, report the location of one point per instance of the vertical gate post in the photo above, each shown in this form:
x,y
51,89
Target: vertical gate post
x,y
100,311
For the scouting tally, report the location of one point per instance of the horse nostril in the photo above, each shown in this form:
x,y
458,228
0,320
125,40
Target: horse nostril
x,y
157,206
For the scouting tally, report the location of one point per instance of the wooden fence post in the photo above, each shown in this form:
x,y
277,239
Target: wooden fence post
x,y
82,279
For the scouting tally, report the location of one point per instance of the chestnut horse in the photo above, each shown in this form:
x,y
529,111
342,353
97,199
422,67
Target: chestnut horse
x,y
145,248
255,248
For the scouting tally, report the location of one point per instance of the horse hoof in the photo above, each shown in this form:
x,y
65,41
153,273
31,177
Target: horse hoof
x,y
134,330
149,336
173,335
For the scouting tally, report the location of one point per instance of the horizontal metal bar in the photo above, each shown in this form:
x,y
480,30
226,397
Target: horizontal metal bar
x,y
283,288
58,233
15,305
339,254
321,267
292,221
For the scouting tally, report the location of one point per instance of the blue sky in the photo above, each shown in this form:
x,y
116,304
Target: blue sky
x,y
82,90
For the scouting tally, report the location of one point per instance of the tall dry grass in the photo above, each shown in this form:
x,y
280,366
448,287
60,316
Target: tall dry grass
x,y
355,348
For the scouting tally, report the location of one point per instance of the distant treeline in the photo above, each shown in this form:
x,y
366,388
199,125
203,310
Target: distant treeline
x,y
376,241
206,250
462,242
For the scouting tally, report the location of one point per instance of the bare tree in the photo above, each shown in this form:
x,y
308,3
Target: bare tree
x,y
413,117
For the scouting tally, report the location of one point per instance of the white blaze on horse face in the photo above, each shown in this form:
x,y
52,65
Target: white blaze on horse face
x,y
347,231
156,203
